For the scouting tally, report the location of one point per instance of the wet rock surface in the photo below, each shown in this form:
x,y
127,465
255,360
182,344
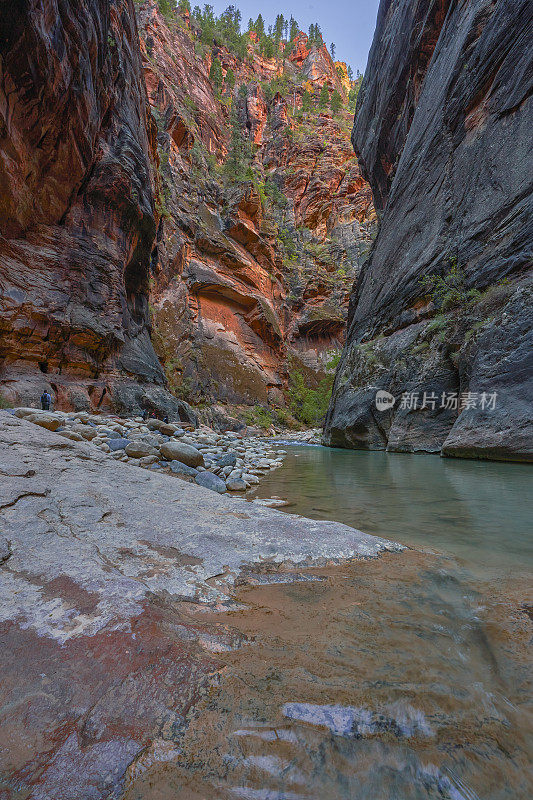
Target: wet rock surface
x,y
442,133
98,651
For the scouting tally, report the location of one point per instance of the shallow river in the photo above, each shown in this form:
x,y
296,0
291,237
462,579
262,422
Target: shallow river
x,y
400,678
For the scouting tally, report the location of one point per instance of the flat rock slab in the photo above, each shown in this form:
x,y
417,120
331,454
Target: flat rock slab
x,y
97,659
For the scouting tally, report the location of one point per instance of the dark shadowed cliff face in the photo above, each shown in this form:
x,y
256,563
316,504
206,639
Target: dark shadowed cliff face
x,y
443,132
76,205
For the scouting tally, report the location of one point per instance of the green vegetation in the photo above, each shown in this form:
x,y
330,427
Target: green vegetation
x,y
215,74
315,36
238,162
323,99
354,91
307,102
229,80
336,102
309,405
449,291
166,7
259,415
3,402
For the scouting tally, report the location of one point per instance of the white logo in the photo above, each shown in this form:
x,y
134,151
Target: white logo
x,y
384,400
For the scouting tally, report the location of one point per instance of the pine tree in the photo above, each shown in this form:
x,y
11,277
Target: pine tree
x,y
294,29
215,74
166,7
278,28
350,72
315,35
266,47
259,26
336,102
234,166
307,103
354,91
332,50
323,99
230,79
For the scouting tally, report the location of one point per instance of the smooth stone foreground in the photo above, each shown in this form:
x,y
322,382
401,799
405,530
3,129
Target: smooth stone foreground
x,y
99,657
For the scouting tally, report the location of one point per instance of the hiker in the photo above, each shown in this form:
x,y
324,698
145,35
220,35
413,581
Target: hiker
x,y
46,400
165,420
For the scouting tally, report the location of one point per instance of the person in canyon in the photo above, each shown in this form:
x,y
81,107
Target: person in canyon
x,y
46,400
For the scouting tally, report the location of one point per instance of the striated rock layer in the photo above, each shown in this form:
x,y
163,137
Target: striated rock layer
x,y
443,132
77,220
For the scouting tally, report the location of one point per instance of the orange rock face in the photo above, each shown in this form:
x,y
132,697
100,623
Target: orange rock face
x,y
116,188
77,217
251,275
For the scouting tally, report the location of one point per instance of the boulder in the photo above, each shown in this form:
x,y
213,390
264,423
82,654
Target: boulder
x,y
75,437
227,460
140,450
210,481
236,484
87,431
118,444
45,419
177,451
182,469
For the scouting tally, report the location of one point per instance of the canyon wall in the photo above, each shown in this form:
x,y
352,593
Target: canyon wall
x,y
123,229
77,219
443,134
252,273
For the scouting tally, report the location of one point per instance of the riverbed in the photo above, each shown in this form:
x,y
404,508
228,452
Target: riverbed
x,y
404,677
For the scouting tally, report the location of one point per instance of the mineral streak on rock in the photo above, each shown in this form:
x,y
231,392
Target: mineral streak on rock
x,y
98,661
443,134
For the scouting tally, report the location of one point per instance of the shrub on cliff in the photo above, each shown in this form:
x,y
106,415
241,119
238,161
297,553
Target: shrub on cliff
x,y
449,290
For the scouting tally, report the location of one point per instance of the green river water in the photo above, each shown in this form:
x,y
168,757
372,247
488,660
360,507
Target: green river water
x,y
405,677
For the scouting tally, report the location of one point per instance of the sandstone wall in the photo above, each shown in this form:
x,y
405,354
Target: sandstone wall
x,y
443,133
77,217
232,312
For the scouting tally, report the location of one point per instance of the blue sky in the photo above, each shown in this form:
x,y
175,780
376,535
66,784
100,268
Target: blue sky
x,y
348,23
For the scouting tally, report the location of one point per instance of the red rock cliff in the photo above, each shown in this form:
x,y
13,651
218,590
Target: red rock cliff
x,y
77,216
253,274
